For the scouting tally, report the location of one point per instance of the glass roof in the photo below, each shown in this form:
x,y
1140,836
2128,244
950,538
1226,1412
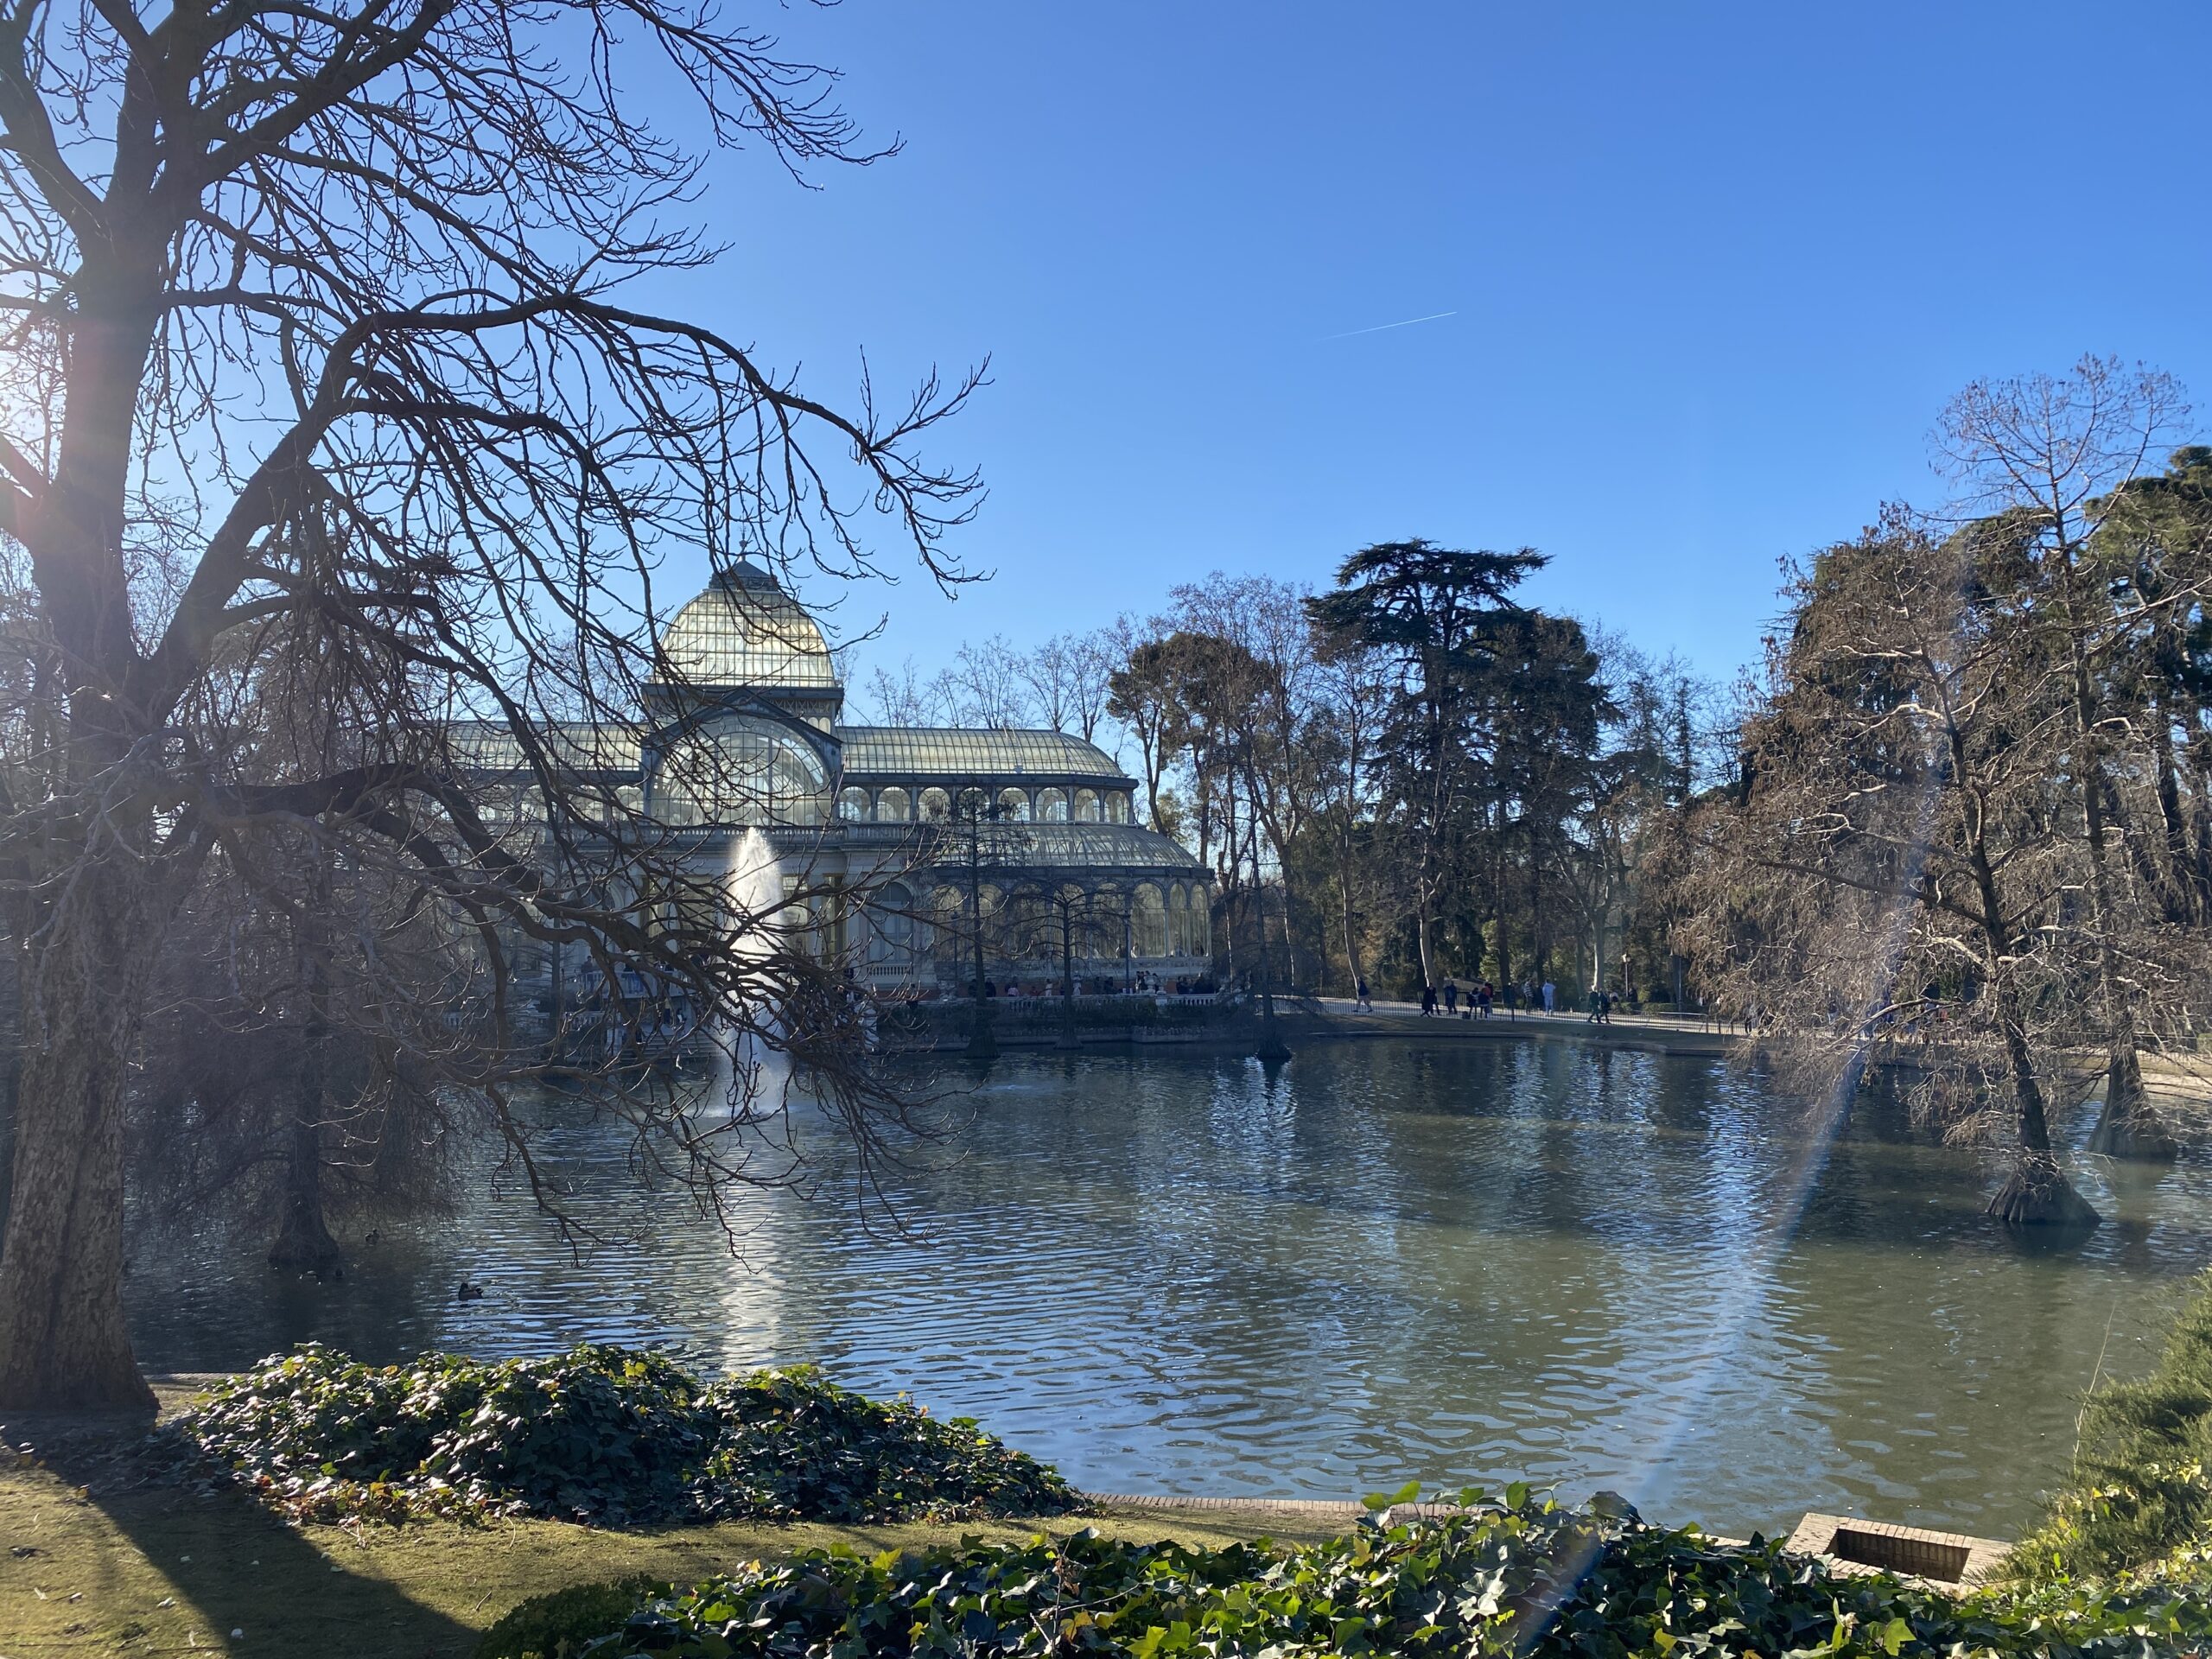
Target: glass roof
x,y
1087,846
581,746
904,752
745,630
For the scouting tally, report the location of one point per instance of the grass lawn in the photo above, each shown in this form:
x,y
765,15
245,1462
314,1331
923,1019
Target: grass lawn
x,y
164,1570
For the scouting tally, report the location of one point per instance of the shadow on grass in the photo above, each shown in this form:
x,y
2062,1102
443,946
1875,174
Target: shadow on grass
x,y
222,1556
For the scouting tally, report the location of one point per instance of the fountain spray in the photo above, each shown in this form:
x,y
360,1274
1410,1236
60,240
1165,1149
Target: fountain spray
x,y
759,1071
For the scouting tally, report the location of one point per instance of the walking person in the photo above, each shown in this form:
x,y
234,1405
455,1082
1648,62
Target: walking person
x,y
1364,1006
1451,997
1551,994
1596,1006
1427,999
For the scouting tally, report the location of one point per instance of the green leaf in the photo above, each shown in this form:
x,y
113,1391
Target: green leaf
x,y
1408,1493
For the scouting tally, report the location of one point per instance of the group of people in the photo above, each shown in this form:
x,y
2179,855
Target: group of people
x,y
1477,1001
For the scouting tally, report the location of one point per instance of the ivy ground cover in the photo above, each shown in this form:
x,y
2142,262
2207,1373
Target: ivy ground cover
x,y
613,1436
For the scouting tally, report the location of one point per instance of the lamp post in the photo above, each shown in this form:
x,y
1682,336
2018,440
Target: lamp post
x,y
981,1045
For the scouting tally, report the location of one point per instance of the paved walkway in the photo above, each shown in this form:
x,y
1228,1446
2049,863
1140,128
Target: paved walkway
x,y
1658,1033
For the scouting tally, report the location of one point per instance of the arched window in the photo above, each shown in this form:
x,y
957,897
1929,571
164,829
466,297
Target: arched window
x,y
892,805
852,804
1178,922
1201,922
1052,806
1013,805
1086,806
739,771
891,940
1110,915
1148,922
937,806
1030,934
971,803
1118,807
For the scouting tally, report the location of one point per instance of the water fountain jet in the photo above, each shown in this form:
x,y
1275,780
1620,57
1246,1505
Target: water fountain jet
x,y
752,1068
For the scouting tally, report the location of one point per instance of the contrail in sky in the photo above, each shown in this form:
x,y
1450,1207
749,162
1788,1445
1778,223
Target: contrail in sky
x,y
1380,327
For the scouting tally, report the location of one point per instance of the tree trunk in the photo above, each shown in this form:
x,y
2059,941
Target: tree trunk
x,y
1501,946
1351,938
1421,936
2148,875
2187,900
1068,1039
2125,1106
303,1241
1543,946
2127,1125
63,1343
2198,756
2124,1099
2035,1193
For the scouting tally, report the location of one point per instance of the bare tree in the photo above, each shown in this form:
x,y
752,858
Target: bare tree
x,y
903,697
1343,743
327,305
1276,690
1067,679
1048,674
2045,457
987,684
1891,877
1091,662
259,1098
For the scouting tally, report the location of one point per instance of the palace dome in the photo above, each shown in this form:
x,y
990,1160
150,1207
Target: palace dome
x,y
745,630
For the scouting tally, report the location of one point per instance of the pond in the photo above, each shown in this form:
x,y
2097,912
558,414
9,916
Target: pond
x,y
1459,1262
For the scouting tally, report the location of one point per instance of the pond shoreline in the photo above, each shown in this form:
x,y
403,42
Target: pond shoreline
x,y
2177,1082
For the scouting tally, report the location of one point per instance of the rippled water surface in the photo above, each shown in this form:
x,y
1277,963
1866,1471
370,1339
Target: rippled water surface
x,y
1462,1262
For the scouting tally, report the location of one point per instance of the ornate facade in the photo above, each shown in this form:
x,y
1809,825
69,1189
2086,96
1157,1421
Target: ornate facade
x,y
1026,840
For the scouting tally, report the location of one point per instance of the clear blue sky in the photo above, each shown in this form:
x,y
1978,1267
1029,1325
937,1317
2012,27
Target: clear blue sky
x,y
1714,268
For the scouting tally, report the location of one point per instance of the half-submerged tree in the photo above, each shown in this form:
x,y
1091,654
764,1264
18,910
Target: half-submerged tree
x,y
2045,459
1894,878
318,314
